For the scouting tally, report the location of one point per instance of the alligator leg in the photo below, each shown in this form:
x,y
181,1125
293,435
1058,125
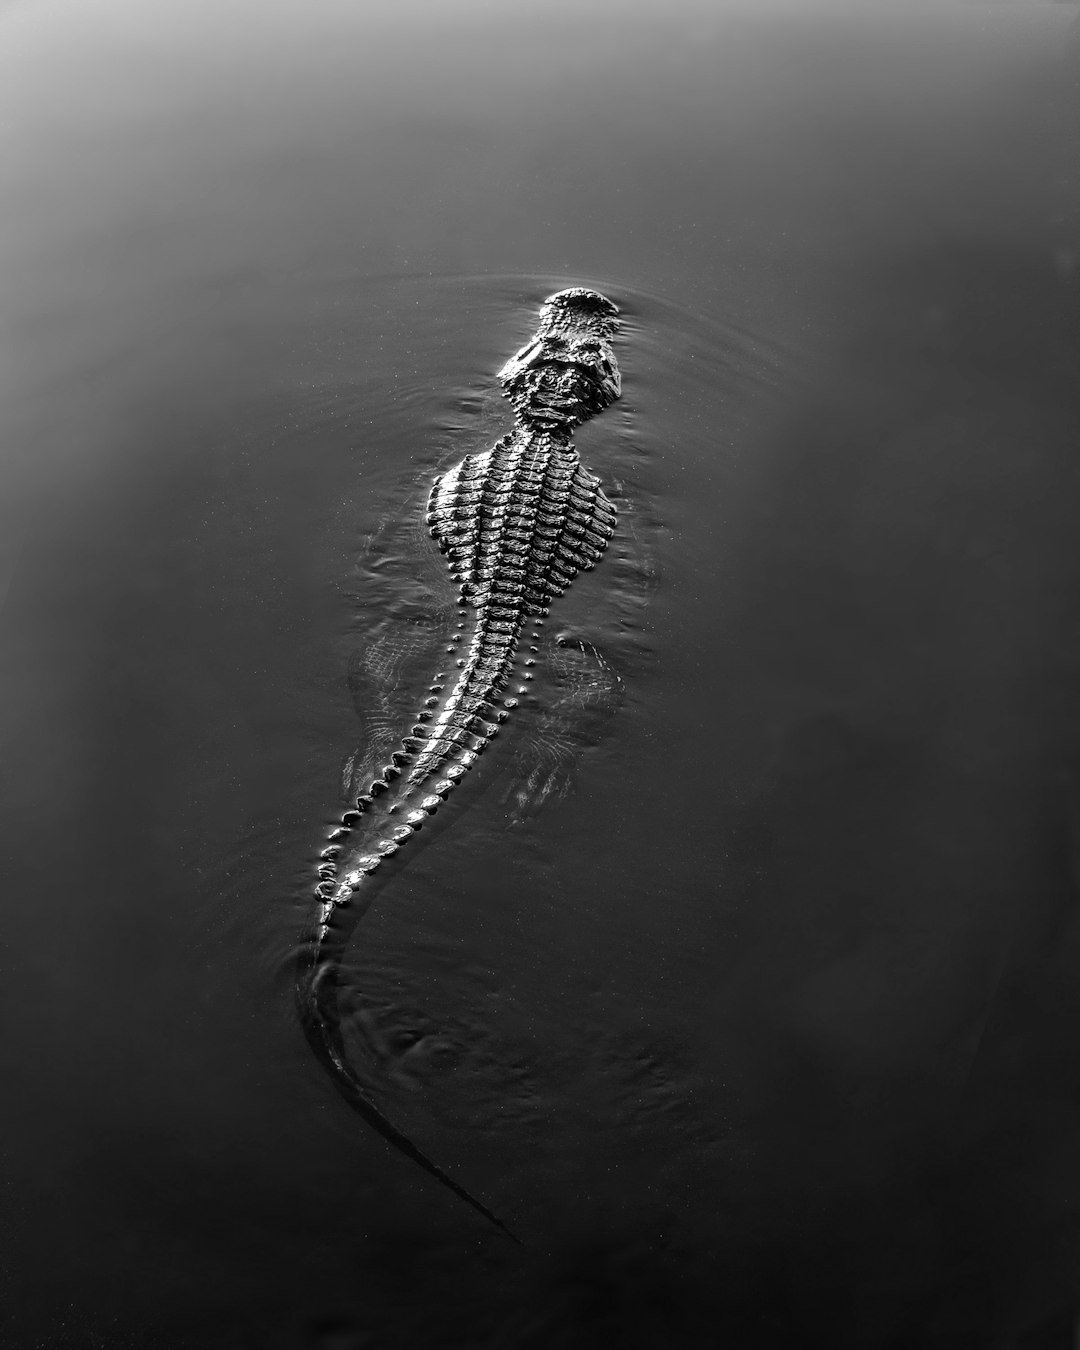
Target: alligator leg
x,y
582,693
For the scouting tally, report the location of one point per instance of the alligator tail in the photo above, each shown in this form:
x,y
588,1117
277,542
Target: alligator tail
x,y
432,760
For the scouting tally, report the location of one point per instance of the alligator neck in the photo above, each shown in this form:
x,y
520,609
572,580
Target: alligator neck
x,y
541,436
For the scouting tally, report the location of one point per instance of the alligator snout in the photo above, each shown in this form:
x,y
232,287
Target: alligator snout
x,y
567,372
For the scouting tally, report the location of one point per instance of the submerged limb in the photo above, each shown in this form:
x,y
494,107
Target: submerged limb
x,y
387,673
583,694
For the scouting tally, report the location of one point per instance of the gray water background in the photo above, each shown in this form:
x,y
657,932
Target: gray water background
x,y
768,1032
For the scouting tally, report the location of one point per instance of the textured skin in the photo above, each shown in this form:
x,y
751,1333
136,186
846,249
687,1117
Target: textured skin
x,y
517,524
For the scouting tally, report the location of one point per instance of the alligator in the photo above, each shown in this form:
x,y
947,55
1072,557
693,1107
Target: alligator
x,y
517,523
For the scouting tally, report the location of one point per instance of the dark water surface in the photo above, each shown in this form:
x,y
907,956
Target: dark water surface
x,y
766,1031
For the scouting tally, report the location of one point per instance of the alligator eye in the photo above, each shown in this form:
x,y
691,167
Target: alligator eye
x,y
555,341
591,348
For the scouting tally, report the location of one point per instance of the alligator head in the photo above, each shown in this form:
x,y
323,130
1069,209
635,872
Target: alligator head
x,y
567,372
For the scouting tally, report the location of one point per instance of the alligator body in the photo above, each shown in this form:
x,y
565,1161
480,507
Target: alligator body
x,y
517,524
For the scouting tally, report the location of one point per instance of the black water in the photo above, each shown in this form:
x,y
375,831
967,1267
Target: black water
x,y
765,1032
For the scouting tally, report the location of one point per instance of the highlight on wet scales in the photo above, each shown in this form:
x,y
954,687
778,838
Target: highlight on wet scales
x,y
517,523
